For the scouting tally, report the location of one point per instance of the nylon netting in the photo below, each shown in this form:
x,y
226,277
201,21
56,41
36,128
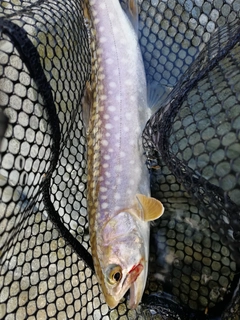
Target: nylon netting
x,y
192,148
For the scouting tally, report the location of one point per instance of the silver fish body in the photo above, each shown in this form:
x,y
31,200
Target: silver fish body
x,y
119,202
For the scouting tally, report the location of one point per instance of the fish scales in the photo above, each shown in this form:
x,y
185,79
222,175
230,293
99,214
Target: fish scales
x,y
116,125
114,116
116,166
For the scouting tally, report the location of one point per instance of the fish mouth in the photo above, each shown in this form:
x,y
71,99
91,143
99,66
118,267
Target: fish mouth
x,y
135,272
133,281
137,285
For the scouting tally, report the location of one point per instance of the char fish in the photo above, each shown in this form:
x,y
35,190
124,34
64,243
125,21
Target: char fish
x,y
118,193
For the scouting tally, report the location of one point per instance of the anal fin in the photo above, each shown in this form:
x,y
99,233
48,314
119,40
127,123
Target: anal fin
x,y
156,94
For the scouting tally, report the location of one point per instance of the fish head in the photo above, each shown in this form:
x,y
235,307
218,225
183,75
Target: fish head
x,y
123,258
120,248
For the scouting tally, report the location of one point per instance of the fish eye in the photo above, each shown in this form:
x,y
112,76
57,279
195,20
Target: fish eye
x,y
115,274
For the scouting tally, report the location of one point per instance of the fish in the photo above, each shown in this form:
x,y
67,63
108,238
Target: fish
x,y
115,110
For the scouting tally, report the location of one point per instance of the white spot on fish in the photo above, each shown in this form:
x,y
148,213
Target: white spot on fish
x,y
106,157
122,154
112,84
94,13
126,129
103,189
105,165
101,76
108,126
131,182
102,5
103,97
117,196
106,116
102,39
112,108
118,180
99,51
104,205
104,143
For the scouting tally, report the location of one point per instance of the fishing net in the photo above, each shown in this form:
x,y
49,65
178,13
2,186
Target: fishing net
x,y
192,151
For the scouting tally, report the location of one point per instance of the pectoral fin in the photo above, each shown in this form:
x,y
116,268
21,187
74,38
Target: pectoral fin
x,y
151,207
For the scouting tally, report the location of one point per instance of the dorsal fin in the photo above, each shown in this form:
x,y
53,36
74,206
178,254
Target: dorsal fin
x,y
151,207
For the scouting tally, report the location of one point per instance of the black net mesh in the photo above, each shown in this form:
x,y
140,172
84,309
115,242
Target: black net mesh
x,y
192,147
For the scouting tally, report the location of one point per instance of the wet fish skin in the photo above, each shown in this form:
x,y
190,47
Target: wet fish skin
x,y
118,196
